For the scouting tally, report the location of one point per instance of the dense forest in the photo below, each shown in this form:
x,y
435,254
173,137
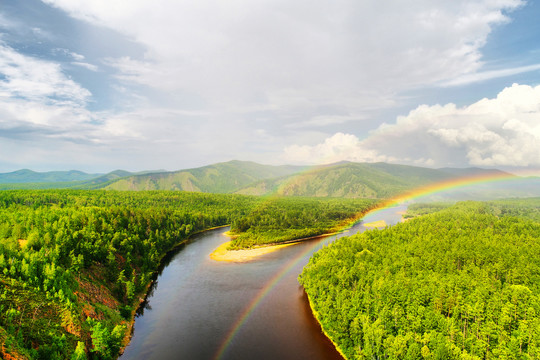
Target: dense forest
x,y
74,264
279,219
460,283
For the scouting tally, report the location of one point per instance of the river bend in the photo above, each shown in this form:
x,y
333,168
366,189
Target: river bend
x,y
203,309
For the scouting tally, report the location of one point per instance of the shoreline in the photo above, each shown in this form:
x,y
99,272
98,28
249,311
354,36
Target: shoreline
x,y
143,296
221,253
315,314
376,224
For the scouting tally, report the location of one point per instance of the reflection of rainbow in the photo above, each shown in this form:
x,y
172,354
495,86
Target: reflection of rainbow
x,y
411,195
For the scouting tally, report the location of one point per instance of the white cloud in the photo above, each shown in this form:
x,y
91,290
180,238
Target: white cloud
x,y
44,120
323,120
141,72
336,148
76,56
488,75
35,79
240,52
240,78
29,116
503,131
85,65
67,53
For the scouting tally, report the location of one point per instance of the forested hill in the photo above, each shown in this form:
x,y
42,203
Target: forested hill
x,y
358,180
73,264
352,180
73,179
218,178
29,176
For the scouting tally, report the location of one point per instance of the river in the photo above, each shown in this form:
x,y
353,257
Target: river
x,y
199,308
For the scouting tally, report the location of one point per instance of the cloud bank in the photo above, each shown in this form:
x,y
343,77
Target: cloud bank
x,y
240,53
502,131
210,81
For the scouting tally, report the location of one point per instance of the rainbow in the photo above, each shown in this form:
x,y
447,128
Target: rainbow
x,y
446,185
258,298
440,187
417,193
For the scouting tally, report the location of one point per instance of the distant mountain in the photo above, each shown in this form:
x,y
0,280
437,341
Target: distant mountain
x,y
466,172
28,179
29,176
219,178
347,179
512,187
344,179
103,180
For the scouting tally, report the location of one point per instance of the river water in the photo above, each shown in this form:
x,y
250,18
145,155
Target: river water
x,y
203,309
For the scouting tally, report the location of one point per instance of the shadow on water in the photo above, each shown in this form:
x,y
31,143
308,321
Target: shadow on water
x,y
165,261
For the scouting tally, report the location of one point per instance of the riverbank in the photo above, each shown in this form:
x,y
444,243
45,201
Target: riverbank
x,y
382,223
376,224
221,253
142,297
317,317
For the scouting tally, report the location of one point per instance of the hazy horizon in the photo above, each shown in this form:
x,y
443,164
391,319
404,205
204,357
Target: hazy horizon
x,y
517,172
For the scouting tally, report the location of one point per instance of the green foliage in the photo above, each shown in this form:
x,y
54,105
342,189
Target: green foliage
x,y
66,255
526,208
29,316
463,282
217,178
106,343
80,352
425,208
522,208
349,180
280,219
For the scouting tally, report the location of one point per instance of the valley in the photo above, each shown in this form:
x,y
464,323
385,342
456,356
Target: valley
x,y
76,264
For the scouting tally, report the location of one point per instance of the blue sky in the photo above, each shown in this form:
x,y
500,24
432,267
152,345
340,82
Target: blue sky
x,y
106,84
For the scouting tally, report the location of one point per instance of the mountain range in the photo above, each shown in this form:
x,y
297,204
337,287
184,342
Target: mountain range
x,y
29,176
344,179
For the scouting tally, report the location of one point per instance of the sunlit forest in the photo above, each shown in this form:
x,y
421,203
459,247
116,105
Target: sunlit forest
x,y
281,219
457,282
269,180
453,281
75,264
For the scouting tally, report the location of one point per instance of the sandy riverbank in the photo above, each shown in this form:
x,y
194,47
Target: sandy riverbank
x,y
222,254
376,224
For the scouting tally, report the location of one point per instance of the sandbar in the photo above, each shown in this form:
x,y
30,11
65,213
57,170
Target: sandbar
x,y
376,224
222,254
